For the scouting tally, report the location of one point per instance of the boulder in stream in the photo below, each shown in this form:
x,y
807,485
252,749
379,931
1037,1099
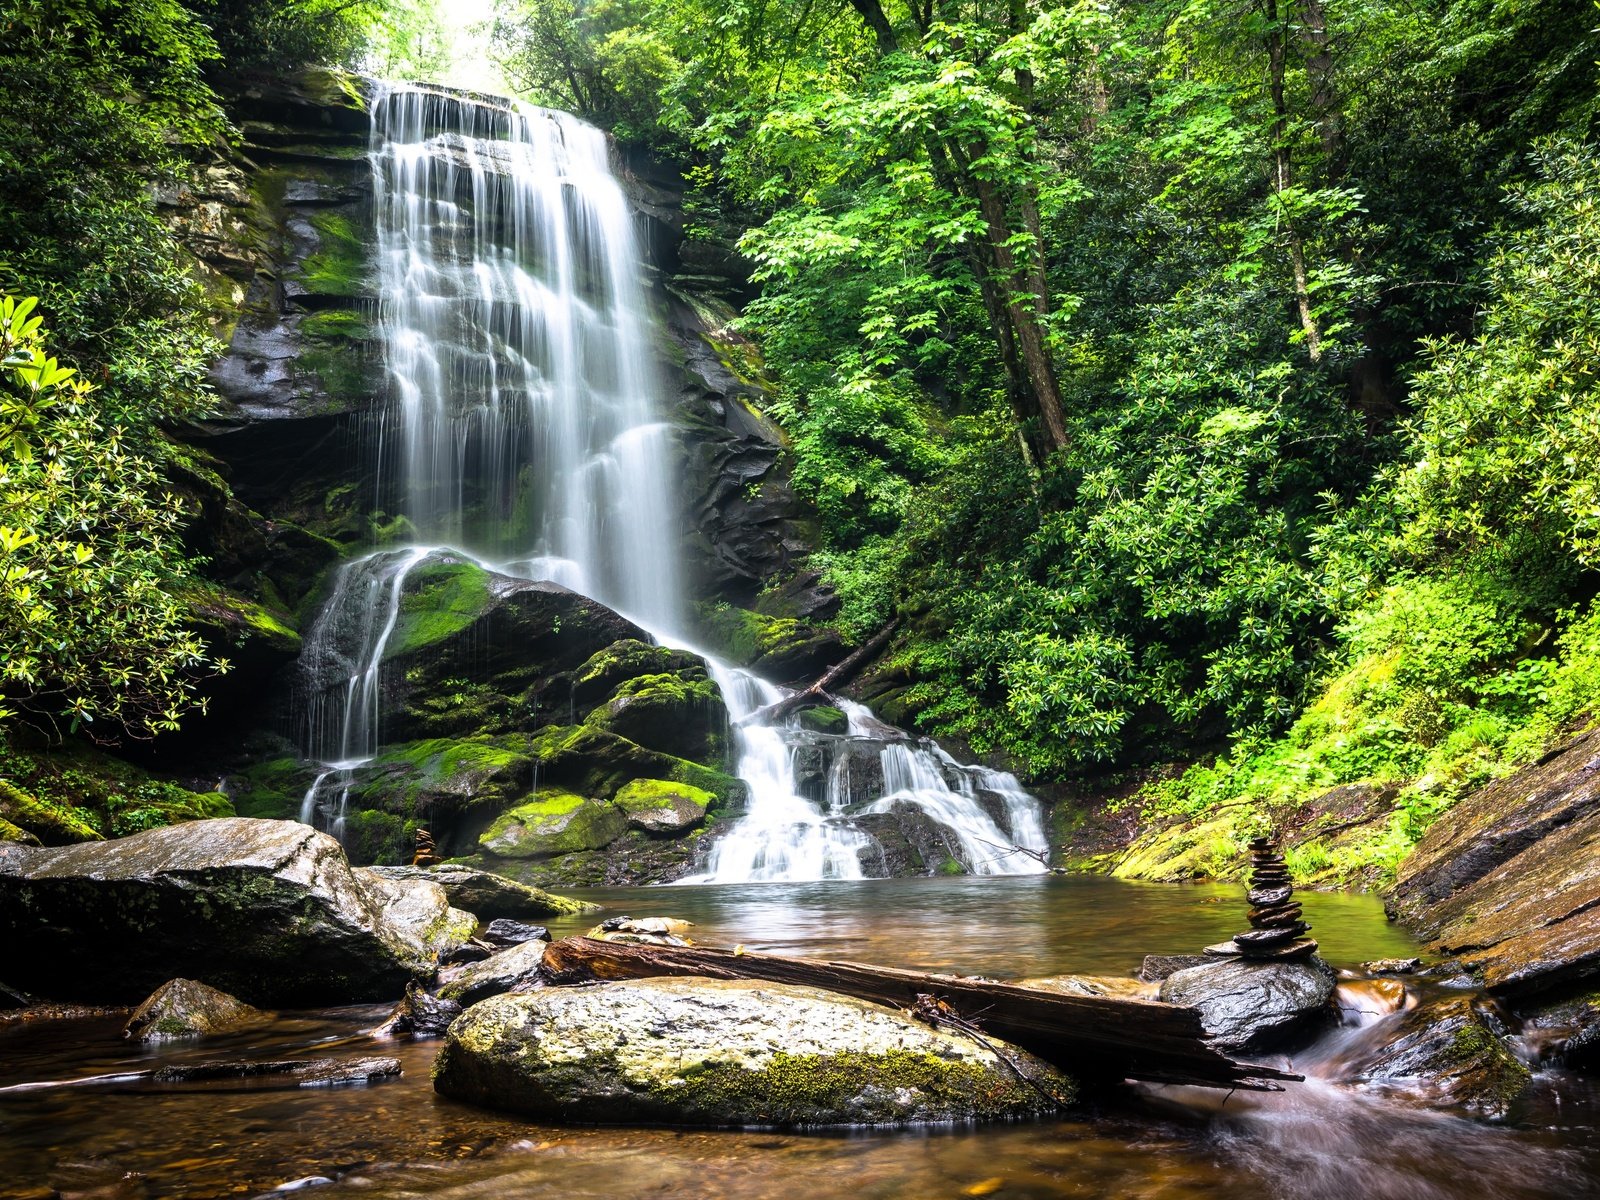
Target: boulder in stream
x,y
705,1052
1248,1007
1452,1052
270,911
187,1008
512,970
420,1013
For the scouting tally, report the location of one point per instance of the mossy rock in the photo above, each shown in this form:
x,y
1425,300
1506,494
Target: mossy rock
x,y
679,714
608,669
598,763
447,774
554,822
1453,1049
15,833
824,718
782,648
272,789
379,837
661,806
716,1053
52,824
442,598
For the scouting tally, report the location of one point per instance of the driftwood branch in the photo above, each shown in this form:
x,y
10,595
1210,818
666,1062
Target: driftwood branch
x,y
1098,1036
835,677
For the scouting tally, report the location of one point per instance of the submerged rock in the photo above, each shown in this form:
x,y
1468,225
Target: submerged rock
x,y
703,1052
1566,1031
1118,986
488,895
271,911
513,970
186,1008
1451,1051
1254,1006
292,1072
644,931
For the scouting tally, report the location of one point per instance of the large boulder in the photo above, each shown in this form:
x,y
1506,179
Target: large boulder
x,y
1451,1052
270,911
1509,880
703,1052
1248,1007
660,806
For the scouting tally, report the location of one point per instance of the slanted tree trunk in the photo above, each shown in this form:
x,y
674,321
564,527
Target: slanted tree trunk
x,y
1282,174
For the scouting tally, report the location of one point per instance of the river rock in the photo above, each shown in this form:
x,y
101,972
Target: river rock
x,y
1509,882
505,932
1118,986
644,931
513,970
1451,1052
270,911
186,1008
420,1013
704,1052
1255,1006
488,895
1566,1030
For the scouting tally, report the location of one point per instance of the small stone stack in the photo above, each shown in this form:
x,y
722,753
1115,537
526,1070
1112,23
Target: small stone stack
x,y
426,855
1275,926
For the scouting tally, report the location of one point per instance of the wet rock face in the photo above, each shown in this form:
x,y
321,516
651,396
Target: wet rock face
x,y
486,895
1509,880
186,1008
1248,1007
1451,1050
702,1052
511,970
271,911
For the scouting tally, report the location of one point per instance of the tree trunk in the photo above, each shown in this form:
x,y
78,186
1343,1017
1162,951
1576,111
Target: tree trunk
x,y
1283,180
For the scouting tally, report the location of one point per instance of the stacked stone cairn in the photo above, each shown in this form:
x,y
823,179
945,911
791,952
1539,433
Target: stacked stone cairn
x,y
1276,930
426,855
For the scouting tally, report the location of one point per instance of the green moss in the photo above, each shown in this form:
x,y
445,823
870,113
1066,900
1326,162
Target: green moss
x,y
411,777
379,837
642,795
441,600
808,1089
341,325
746,636
824,718
272,789
554,822
338,266
15,833
75,792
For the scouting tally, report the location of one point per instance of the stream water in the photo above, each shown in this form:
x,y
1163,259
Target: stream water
x,y
397,1139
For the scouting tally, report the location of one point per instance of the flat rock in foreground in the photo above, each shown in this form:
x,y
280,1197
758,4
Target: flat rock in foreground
x,y
269,911
706,1052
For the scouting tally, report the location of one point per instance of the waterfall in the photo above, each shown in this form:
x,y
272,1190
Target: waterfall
x,y
527,433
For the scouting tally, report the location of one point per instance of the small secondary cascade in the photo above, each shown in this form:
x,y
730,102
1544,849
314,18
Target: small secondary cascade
x,y
527,434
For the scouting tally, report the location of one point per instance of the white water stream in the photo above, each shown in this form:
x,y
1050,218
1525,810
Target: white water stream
x,y
528,434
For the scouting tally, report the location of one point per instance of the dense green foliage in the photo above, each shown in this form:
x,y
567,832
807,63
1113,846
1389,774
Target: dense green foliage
x,y
1316,279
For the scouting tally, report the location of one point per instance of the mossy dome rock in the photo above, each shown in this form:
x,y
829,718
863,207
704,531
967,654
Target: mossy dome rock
x,y
270,911
187,1008
487,895
824,718
707,1052
554,822
446,775
662,806
680,714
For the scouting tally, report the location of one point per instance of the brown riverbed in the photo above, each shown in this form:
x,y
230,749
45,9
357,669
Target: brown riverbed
x,y
397,1139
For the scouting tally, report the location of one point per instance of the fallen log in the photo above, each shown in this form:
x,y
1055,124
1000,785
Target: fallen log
x,y
1091,1036
836,676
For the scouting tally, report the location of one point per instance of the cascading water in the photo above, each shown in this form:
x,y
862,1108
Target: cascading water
x,y
526,434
